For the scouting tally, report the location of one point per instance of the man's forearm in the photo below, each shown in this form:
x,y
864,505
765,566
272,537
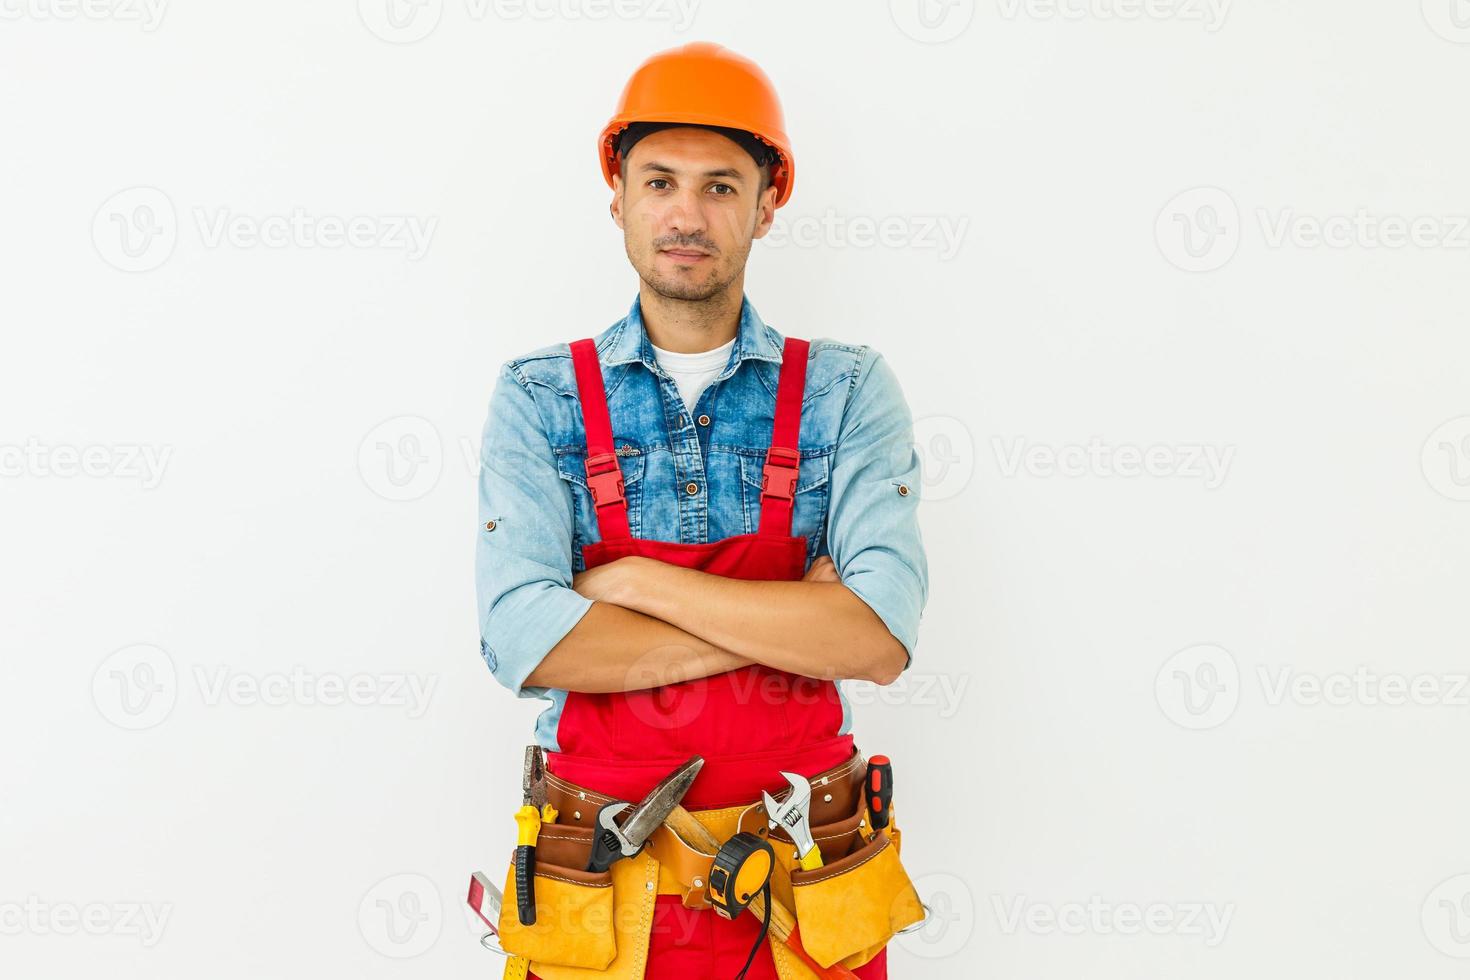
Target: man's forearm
x,y
817,629
617,649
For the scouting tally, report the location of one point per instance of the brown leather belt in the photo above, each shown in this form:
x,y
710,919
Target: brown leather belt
x,y
836,818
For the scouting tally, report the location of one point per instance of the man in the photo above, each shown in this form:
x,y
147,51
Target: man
x,y
690,526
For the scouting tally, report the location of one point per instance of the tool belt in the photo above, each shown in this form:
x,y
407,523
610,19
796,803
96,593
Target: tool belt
x,y
597,924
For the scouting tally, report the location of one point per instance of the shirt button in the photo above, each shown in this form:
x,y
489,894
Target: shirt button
x,y
691,488
704,420
489,525
903,490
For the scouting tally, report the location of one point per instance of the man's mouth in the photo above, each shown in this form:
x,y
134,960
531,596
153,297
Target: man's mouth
x,y
683,255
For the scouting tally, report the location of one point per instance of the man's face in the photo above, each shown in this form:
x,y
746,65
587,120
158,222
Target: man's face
x,y
689,204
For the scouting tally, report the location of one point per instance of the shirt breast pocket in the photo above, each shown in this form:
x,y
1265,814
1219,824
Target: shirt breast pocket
x,y
571,466
809,515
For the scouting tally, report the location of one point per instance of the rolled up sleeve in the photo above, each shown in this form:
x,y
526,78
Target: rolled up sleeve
x,y
873,519
523,553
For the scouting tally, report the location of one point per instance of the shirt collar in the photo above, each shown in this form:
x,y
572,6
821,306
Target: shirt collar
x,y
753,339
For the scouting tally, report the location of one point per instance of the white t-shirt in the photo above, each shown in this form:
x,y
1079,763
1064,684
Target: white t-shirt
x,y
693,372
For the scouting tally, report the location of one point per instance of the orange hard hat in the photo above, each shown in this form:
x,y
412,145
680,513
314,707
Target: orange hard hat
x,y
707,85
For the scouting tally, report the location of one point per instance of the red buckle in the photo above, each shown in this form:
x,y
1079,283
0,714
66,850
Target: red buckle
x,y
778,476
604,480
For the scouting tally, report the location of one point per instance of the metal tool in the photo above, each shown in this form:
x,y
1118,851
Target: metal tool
x,y
528,827
878,791
613,842
793,814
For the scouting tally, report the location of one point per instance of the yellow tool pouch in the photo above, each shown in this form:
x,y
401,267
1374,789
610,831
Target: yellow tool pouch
x,y
850,908
587,924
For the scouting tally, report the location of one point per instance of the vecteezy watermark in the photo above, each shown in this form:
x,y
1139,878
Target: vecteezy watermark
x,y
147,14
941,234
1362,686
1099,917
1198,687
946,451
136,230
1445,459
1199,229
1187,461
34,916
125,461
400,21
1363,228
1445,917
401,458
408,233
932,21
950,917
1210,13
401,916
407,21
298,686
941,692
135,687
1450,19
1201,686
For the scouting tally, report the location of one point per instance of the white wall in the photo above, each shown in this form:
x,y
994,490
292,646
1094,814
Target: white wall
x,y
1097,716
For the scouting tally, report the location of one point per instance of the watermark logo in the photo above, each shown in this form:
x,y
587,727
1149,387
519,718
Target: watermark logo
x,y
127,461
147,14
401,916
400,21
1445,459
1210,13
38,917
136,687
1363,228
1188,461
1445,917
950,921
1450,19
1099,917
402,458
946,453
1199,230
941,234
135,230
932,21
1198,687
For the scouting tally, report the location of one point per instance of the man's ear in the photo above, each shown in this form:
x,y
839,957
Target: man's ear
x,y
765,212
616,207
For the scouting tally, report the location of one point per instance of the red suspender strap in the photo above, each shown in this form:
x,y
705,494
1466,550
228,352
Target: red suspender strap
x,y
778,477
604,478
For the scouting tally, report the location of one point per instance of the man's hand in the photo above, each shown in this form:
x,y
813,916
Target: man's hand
x,y
607,583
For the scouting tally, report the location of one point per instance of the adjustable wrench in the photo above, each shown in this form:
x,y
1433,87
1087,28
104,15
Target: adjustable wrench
x,y
793,814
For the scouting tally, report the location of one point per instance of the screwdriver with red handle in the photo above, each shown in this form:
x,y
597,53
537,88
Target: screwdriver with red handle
x,y
878,790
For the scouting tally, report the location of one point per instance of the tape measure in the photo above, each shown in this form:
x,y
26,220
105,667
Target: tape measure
x,y
739,872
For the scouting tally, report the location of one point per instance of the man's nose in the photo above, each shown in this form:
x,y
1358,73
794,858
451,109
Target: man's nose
x,y
685,213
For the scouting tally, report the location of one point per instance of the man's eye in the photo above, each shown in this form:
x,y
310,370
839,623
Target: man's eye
x,y
655,182
728,190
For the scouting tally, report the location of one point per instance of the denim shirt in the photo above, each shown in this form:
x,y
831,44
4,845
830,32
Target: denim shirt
x,y
857,491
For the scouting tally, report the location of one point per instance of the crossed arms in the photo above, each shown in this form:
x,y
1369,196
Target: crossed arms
x,y
637,623
653,623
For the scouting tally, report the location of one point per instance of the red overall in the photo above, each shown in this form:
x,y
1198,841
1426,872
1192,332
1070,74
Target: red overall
x,y
748,724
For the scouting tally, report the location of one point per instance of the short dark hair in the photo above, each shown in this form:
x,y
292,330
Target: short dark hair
x,y
763,155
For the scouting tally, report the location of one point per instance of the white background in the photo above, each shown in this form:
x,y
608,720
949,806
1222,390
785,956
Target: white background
x,y
1096,715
